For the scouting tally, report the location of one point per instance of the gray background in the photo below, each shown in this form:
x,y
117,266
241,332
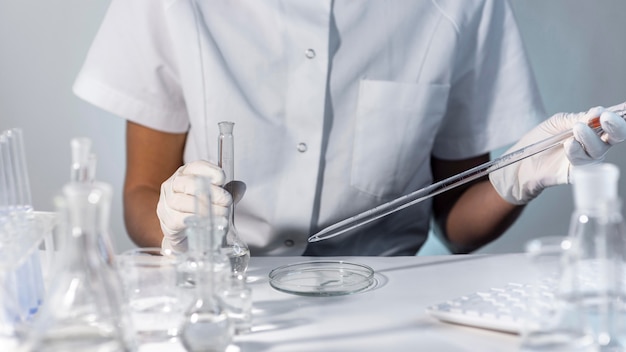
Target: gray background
x,y
577,48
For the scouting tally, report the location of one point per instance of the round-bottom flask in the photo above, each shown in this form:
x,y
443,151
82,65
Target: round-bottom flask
x,y
206,326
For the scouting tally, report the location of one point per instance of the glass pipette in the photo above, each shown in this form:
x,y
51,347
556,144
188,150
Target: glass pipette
x,y
450,183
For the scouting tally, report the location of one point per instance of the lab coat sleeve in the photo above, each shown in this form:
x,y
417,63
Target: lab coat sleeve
x,y
130,70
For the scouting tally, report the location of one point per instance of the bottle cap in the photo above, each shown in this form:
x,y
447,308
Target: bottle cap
x,y
594,183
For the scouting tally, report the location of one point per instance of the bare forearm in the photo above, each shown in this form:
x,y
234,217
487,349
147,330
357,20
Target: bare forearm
x,y
151,157
140,217
479,217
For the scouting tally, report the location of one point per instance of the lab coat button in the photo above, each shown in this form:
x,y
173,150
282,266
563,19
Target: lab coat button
x,y
289,243
309,53
302,147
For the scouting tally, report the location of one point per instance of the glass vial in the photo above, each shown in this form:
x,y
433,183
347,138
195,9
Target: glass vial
x,y
232,245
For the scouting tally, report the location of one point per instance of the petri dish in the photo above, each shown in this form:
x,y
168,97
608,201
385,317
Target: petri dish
x,y
322,278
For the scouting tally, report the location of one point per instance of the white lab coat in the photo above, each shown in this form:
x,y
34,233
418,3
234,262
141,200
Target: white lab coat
x,y
338,105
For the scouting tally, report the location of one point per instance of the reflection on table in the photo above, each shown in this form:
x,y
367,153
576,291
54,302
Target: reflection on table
x,y
390,316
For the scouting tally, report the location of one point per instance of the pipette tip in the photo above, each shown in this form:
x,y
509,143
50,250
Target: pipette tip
x,y
314,238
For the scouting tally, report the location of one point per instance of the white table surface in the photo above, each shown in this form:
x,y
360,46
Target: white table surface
x,y
388,317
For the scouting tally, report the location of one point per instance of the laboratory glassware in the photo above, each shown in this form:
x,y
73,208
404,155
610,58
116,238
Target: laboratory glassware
x,y
84,310
462,178
322,278
234,247
206,326
83,171
21,280
236,297
221,262
83,161
552,320
155,300
599,258
21,232
19,194
232,244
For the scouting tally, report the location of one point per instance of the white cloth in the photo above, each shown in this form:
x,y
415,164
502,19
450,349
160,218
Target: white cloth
x,y
338,105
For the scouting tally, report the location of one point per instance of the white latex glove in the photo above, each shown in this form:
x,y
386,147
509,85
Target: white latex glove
x,y
520,182
177,201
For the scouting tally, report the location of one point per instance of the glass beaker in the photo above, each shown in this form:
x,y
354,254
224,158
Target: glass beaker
x,y
232,244
155,300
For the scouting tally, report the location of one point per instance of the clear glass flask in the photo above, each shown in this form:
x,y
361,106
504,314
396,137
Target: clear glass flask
x,y
236,297
83,170
84,309
599,259
232,245
552,320
206,326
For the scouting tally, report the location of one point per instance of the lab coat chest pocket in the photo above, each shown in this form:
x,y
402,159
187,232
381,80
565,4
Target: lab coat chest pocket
x,y
395,127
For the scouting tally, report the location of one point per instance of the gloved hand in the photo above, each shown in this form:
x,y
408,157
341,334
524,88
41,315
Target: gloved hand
x,y
177,201
520,182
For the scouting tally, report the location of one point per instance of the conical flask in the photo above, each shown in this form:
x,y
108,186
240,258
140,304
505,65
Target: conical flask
x,y
206,326
232,245
83,170
84,305
598,228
